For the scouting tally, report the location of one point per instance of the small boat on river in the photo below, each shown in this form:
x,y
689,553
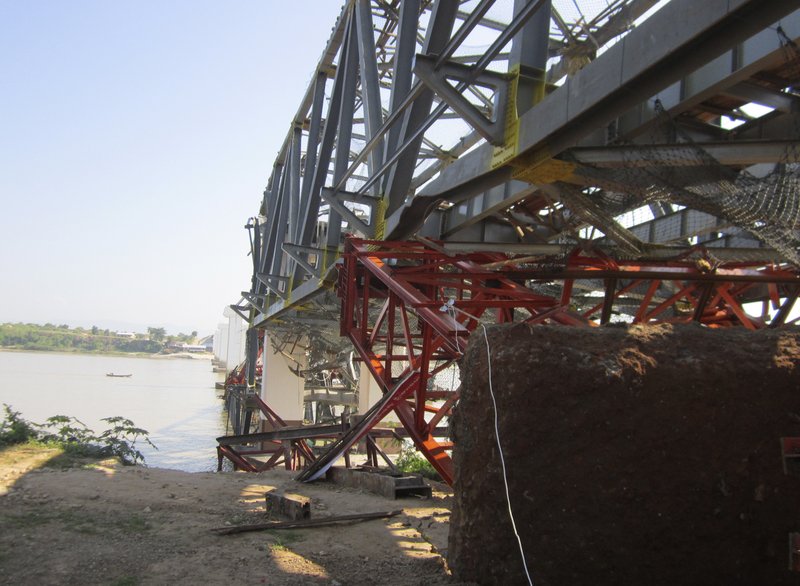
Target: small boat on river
x,y
119,375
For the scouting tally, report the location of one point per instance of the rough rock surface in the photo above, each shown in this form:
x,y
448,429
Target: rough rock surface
x,y
634,455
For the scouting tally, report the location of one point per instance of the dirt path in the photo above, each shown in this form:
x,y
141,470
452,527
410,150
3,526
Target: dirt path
x,y
103,523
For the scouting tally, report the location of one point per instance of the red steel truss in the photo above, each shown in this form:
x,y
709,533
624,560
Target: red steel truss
x,y
291,452
409,308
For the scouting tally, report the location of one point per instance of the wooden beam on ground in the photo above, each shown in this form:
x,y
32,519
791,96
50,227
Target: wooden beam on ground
x,y
309,523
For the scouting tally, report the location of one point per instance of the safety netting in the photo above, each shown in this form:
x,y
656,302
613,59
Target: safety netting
x,y
673,168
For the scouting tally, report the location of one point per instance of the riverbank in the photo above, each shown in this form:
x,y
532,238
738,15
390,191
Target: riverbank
x,y
103,523
182,355
49,337
186,355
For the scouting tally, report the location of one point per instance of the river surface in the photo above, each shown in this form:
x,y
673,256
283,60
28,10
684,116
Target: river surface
x,y
173,399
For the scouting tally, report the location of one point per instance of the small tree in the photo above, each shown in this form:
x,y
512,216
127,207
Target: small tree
x,y
157,334
13,428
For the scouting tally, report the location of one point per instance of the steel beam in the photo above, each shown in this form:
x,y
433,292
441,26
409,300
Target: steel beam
x,y
405,49
437,77
370,89
344,135
736,154
751,92
320,172
311,149
649,59
442,19
529,54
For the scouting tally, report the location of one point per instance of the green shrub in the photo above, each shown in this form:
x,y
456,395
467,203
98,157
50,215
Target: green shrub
x,y
412,462
14,429
120,439
75,438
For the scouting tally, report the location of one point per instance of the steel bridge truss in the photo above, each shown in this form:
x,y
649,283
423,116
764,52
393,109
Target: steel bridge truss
x,y
406,129
446,130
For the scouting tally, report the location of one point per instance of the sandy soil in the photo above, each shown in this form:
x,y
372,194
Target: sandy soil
x,y
103,523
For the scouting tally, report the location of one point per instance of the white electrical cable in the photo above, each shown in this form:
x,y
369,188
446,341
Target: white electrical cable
x,y
502,459
448,307
455,321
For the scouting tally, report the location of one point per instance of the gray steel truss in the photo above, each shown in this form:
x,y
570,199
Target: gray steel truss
x,y
497,123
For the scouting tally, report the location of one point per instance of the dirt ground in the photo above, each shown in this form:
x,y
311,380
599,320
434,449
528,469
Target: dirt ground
x,y
103,523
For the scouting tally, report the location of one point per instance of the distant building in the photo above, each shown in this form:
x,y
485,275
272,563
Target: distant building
x,y
194,348
130,335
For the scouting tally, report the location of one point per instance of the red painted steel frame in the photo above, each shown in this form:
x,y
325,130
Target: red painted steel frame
x,y
430,301
293,454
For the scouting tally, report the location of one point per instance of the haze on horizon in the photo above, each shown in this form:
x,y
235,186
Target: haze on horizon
x,y
137,140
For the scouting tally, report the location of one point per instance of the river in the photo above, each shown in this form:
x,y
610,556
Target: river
x,y
173,399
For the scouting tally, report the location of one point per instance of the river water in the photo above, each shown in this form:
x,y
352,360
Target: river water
x,y
173,399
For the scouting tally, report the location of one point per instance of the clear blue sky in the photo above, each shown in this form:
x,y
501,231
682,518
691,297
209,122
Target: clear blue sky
x,y
137,138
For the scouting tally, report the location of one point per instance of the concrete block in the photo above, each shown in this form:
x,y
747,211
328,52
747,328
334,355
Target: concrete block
x,y
290,506
391,486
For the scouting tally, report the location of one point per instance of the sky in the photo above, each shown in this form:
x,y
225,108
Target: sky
x,y
137,139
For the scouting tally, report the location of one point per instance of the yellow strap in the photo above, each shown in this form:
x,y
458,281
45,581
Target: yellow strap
x,y
538,167
290,284
380,218
510,148
541,168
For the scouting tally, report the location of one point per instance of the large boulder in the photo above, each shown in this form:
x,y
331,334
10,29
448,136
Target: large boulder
x,y
634,455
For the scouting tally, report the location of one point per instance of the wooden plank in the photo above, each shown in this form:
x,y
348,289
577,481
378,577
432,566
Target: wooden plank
x,y
308,523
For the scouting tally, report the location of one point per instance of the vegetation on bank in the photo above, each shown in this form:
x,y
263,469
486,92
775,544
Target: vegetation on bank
x,y
75,438
411,461
62,338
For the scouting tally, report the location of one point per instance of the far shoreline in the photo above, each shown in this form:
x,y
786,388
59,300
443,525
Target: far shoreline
x,y
158,355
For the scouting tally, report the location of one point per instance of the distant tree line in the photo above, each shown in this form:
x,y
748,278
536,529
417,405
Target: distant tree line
x,y
160,335
62,338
